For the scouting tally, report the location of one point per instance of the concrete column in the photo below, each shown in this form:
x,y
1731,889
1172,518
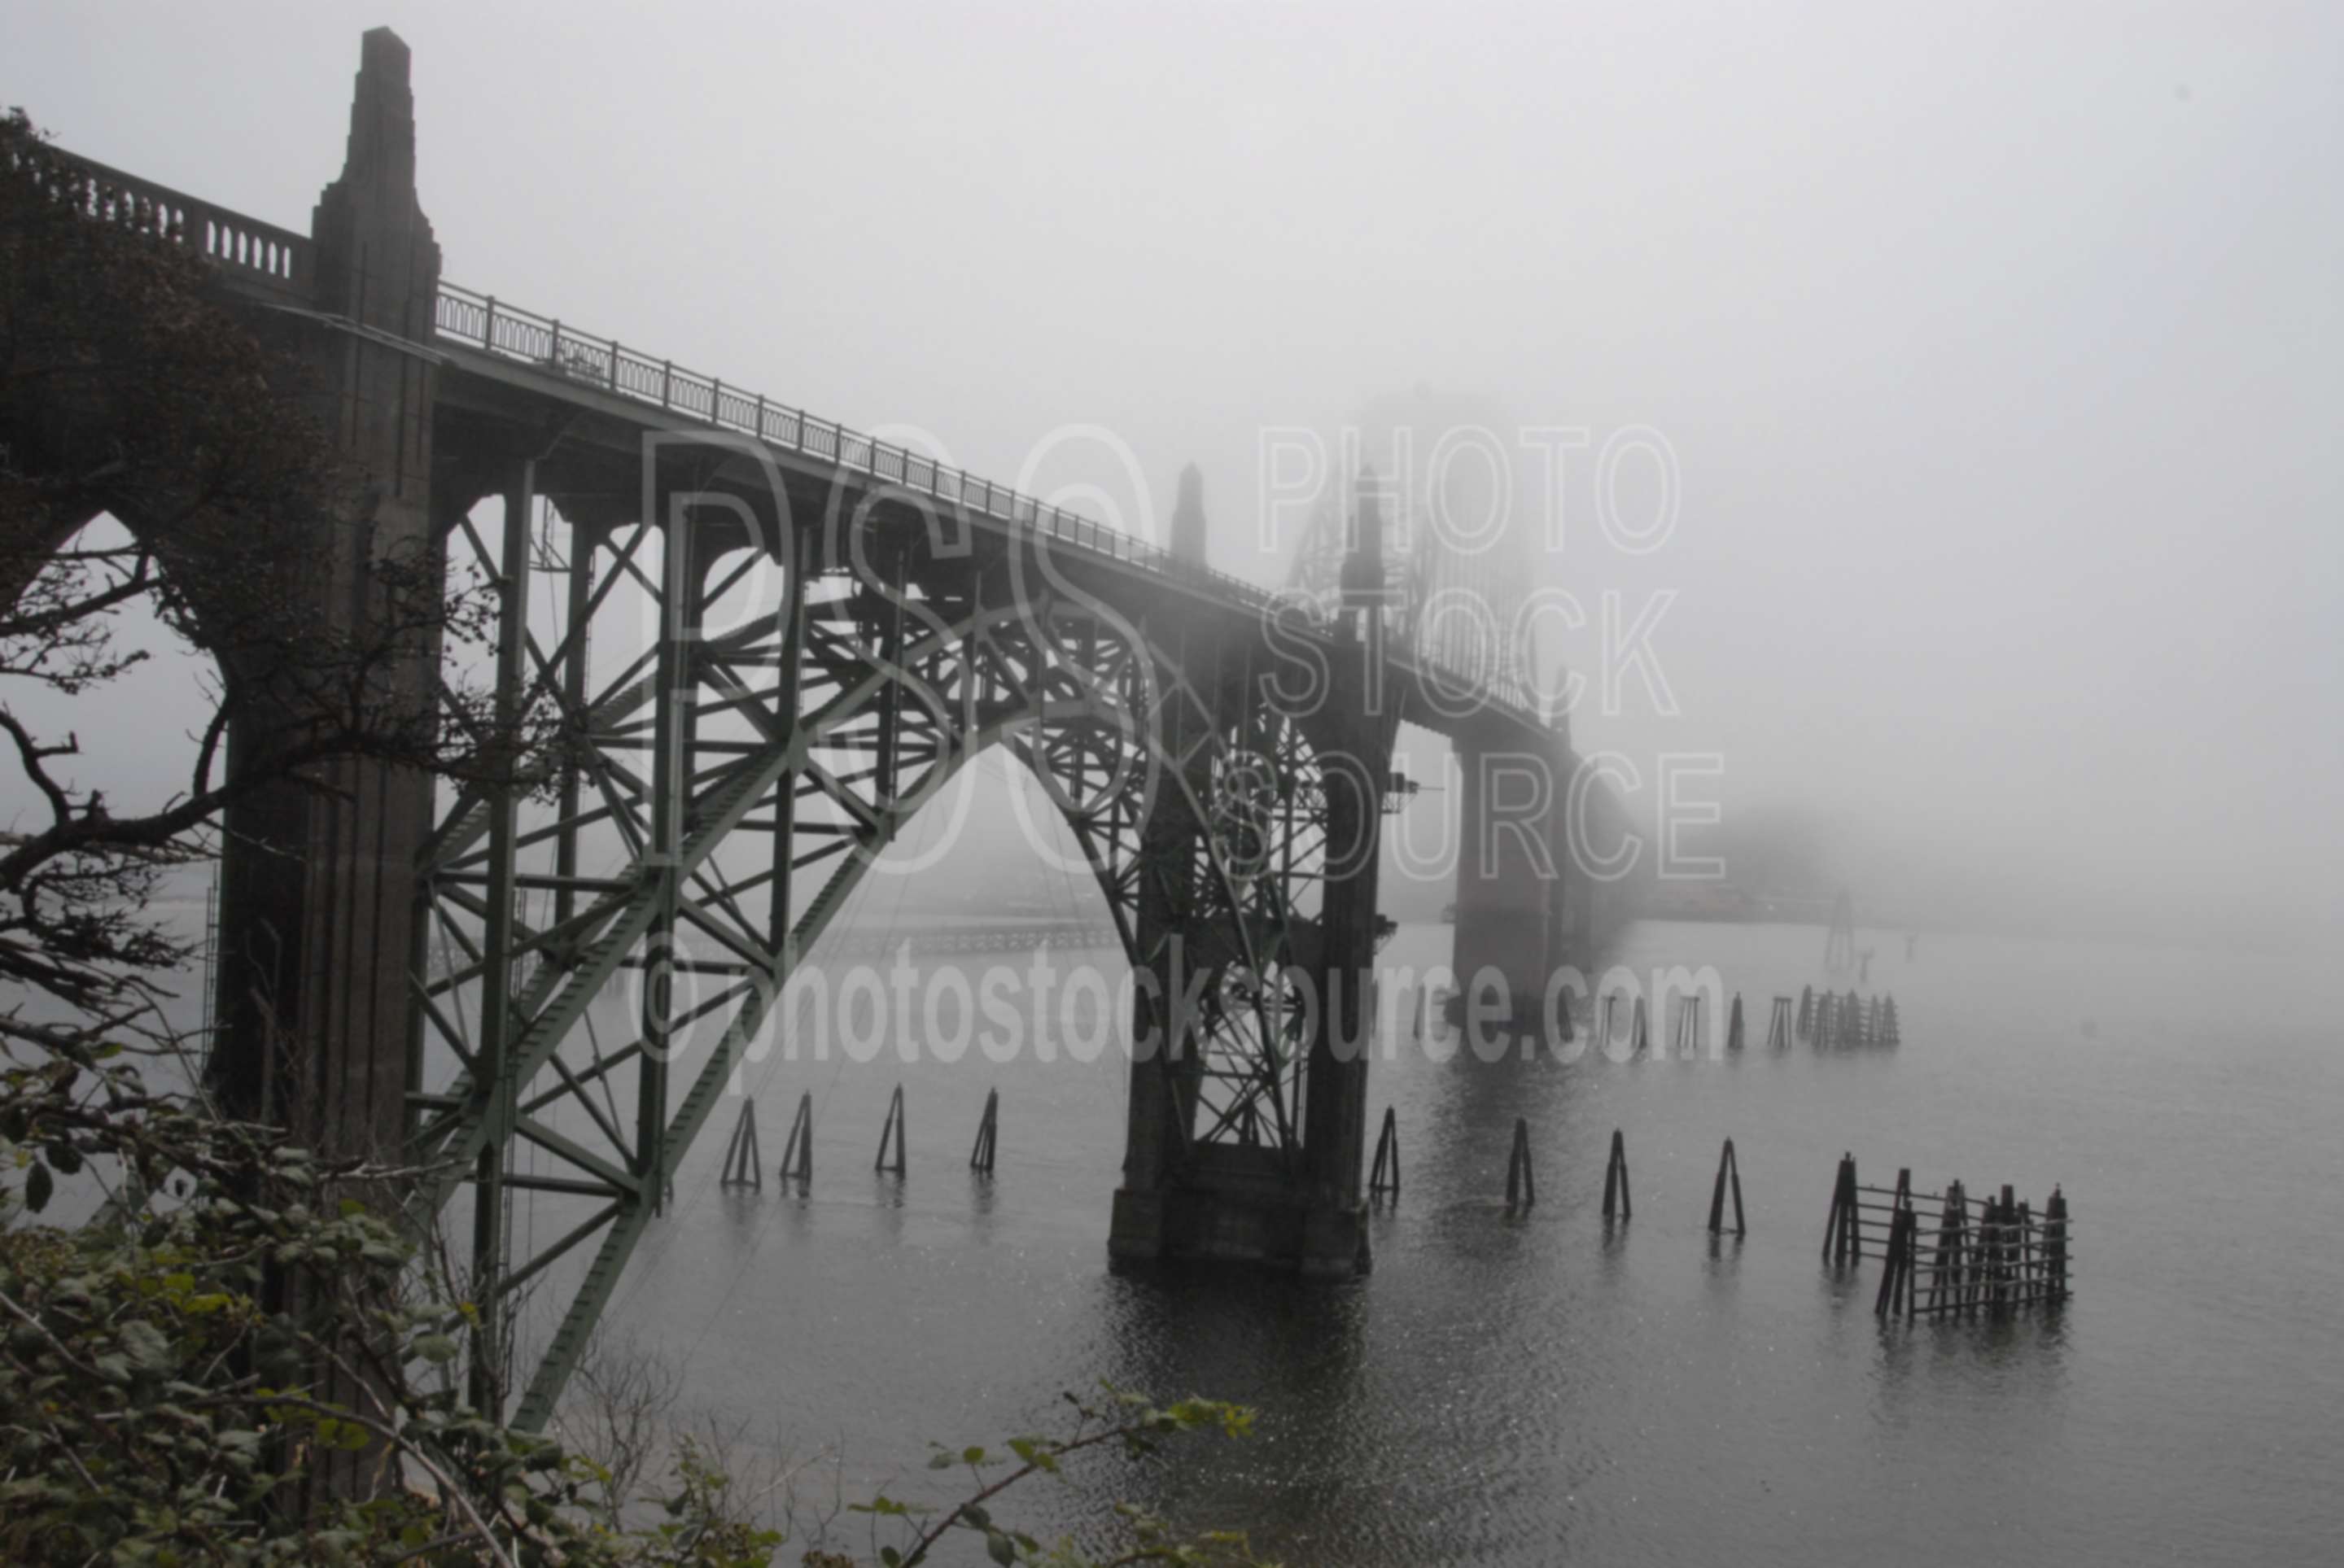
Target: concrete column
x,y
318,889
1334,1091
1509,880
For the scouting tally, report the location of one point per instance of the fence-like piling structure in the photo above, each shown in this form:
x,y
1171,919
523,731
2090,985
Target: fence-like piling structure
x,y
1615,1177
745,1162
1989,1256
1386,1177
797,1153
1521,1187
1728,1170
1778,1025
988,1134
1833,1020
894,1125
1733,1025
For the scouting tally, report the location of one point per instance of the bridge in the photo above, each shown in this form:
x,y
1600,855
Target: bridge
x,y
764,642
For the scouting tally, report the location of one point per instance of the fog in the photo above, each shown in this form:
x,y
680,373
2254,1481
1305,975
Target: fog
x,y
1998,354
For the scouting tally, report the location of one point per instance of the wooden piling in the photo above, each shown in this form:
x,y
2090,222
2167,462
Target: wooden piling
x,y
1615,1179
1640,1025
988,1134
1778,1025
1945,1267
1842,1240
894,1124
1807,1011
2055,1245
1422,1002
745,1162
1611,1000
1896,1276
2007,1251
1733,1025
1386,1177
1728,1168
1899,1256
1521,1187
797,1154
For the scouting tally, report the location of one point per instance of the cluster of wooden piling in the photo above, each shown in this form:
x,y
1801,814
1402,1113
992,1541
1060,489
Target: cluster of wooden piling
x,y
1615,1177
1522,1186
1989,1256
745,1162
1833,1020
1639,1028
989,1135
1728,1168
1384,1181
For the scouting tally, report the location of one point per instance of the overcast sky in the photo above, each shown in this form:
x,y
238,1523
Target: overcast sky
x,y
1999,349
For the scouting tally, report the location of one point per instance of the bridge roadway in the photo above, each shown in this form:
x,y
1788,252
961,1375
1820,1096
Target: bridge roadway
x,y
1217,750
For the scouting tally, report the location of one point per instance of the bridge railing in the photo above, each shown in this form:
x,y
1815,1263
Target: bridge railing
x,y
489,323
254,254
547,344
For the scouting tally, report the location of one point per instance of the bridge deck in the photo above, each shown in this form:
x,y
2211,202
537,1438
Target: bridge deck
x,y
273,266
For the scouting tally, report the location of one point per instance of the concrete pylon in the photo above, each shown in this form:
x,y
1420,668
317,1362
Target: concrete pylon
x,y
318,887
1188,529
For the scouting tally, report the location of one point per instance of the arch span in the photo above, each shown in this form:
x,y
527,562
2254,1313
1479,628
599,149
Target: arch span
x,y
723,787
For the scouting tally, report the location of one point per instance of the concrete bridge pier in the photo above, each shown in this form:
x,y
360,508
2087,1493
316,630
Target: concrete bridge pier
x,y
1513,911
317,885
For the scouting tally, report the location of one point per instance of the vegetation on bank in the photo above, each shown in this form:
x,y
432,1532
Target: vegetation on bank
x,y
238,1360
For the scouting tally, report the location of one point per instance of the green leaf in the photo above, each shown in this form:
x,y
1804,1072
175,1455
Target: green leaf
x,y
146,1345
37,1188
999,1547
437,1349
972,1454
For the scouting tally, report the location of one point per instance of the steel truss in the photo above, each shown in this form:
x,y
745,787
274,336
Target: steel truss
x,y
736,740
